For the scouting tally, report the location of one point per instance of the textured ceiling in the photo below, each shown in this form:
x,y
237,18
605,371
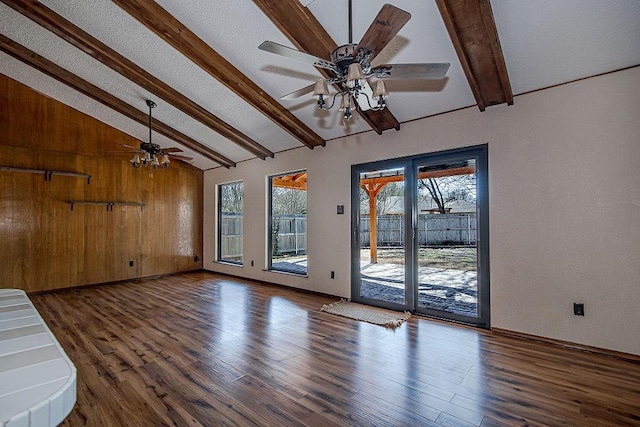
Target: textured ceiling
x,y
544,42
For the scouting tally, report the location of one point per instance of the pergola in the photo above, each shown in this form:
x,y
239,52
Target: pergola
x,y
372,183
297,181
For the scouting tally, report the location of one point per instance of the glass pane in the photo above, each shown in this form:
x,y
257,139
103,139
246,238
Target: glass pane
x,y
447,238
289,222
382,246
230,222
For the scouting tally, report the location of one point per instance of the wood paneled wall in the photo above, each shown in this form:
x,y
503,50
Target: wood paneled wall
x,y
43,244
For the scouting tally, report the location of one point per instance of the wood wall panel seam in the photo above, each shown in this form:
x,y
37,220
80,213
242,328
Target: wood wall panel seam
x,y
55,71
88,44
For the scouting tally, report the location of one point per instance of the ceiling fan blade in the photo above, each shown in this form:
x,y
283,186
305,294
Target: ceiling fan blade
x,y
298,93
384,27
279,49
172,150
176,156
432,71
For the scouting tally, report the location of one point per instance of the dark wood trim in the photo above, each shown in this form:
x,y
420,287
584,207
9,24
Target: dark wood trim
x,y
577,80
475,38
172,31
88,44
634,358
116,282
53,70
307,34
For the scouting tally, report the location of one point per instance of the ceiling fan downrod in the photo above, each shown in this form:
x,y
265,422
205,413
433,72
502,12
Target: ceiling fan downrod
x,y
350,22
151,105
149,150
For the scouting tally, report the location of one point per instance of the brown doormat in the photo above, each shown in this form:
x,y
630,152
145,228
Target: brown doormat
x,y
377,316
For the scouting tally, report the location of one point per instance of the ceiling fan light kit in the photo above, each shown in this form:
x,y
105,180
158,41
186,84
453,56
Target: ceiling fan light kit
x,y
380,93
346,105
150,154
355,76
351,66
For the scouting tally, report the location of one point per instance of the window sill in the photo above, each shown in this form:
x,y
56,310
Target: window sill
x,y
232,264
289,273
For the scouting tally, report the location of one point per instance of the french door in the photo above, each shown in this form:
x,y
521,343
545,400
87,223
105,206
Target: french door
x,y
420,235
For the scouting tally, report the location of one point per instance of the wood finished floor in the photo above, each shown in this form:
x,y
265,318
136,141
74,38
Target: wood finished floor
x,y
202,349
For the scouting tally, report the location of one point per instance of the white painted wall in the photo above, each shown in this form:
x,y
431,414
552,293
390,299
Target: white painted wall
x,y
564,180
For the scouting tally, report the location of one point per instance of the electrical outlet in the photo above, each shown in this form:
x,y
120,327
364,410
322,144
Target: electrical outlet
x,y
333,275
130,263
578,309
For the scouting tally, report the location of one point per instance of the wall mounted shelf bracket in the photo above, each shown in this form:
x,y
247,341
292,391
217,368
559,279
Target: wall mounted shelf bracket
x,y
47,173
109,205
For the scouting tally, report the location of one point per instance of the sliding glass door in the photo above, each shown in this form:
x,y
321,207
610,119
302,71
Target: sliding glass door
x,y
420,235
380,256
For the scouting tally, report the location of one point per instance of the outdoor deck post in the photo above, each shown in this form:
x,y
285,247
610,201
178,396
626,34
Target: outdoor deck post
x,y
372,189
373,232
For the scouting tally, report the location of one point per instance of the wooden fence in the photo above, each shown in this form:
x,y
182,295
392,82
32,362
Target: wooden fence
x,y
290,235
433,229
290,232
231,237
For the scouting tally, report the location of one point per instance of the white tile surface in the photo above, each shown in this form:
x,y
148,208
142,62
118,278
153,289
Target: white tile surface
x,y
37,379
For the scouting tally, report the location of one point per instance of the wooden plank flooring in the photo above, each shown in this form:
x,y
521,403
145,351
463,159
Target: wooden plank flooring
x,y
202,349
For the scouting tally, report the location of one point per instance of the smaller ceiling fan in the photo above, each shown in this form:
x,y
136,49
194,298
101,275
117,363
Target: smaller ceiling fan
x,y
350,65
150,154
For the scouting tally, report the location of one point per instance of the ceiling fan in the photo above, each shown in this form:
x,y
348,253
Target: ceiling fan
x,y
350,65
150,154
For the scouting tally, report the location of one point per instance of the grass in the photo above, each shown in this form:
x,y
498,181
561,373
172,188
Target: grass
x,y
456,258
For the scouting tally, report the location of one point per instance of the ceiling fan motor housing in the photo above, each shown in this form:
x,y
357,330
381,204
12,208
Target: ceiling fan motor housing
x,y
150,148
344,56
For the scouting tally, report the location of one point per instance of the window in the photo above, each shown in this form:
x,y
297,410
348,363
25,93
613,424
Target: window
x,y
230,206
288,222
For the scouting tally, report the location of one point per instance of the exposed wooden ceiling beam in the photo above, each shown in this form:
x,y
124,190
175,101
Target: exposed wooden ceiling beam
x,y
172,31
308,35
55,23
465,170
473,32
44,65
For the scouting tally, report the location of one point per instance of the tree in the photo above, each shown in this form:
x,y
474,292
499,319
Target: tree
x,y
232,197
447,189
389,198
288,201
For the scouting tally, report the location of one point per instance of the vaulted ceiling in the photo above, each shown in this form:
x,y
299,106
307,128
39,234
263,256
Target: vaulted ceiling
x,y
218,95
